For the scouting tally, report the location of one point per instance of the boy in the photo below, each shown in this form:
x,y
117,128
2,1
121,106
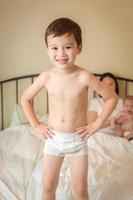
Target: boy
x,y
123,121
67,130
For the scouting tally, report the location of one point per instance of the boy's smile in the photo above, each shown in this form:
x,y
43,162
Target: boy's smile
x,y
63,50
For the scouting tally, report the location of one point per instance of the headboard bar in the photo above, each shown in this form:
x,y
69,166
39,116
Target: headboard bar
x,y
19,77
126,87
2,113
35,75
17,91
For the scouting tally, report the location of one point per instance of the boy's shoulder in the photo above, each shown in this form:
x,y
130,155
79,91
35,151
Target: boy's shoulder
x,y
44,76
84,71
45,73
86,76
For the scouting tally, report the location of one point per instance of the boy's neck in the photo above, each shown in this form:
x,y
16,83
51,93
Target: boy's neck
x,y
65,70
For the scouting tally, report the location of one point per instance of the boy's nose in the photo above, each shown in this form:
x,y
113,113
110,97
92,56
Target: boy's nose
x,y
61,52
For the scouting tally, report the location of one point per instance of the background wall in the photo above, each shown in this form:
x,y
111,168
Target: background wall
x,y
107,34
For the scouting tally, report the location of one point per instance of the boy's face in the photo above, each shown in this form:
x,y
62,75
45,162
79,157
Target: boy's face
x,y
63,50
128,106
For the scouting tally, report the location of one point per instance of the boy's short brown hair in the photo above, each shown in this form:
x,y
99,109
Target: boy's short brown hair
x,y
63,26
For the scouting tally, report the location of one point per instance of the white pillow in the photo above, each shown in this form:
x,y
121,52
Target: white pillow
x,y
42,118
18,116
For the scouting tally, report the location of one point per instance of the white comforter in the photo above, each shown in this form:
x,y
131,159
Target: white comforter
x,y
110,170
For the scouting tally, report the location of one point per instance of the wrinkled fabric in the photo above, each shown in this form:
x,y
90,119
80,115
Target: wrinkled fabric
x,y
110,172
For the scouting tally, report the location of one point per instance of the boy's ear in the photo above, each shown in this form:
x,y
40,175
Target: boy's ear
x,y
80,48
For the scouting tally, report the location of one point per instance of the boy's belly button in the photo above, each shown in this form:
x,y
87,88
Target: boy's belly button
x,y
63,120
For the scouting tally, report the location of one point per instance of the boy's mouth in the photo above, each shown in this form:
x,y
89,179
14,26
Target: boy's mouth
x,y
62,61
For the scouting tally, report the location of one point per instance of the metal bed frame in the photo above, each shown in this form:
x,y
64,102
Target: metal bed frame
x,y
31,77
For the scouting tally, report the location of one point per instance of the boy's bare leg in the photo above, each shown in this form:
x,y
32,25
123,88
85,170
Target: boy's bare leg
x,y
79,173
52,166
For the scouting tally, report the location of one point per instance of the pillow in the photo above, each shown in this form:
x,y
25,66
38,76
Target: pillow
x,y
18,116
42,118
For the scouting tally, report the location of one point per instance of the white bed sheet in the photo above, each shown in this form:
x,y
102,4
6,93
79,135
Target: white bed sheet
x,y
110,169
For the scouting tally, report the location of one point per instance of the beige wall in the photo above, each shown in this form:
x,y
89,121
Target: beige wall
x,y
107,34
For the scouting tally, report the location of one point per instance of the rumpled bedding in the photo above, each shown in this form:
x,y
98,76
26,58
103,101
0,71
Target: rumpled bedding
x,y
110,172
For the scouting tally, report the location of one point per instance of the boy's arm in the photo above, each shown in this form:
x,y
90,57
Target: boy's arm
x,y
110,99
27,97
92,116
26,101
109,96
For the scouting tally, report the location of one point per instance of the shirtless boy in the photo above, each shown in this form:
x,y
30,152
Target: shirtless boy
x,y
123,121
67,130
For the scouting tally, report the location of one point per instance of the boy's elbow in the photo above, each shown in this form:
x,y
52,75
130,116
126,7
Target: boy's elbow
x,y
23,100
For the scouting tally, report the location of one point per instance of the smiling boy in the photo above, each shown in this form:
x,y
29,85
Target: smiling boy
x,y
67,130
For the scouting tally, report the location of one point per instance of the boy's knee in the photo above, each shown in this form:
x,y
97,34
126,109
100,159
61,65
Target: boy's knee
x,y
49,187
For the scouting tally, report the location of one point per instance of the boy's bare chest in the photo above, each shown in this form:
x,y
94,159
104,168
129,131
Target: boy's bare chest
x,y
66,88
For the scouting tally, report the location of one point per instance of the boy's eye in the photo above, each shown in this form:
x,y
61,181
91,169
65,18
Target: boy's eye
x,y
54,48
68,47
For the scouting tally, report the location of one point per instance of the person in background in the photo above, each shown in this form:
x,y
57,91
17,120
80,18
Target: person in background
x,y
96,104
122,123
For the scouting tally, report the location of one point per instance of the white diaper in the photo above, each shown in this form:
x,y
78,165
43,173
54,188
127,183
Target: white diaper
x,y
69,144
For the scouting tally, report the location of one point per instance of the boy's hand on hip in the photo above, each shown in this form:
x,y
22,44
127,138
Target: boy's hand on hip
x,y
44,129
88,130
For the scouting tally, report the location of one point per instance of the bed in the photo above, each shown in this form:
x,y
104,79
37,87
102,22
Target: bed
x,y
110,160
